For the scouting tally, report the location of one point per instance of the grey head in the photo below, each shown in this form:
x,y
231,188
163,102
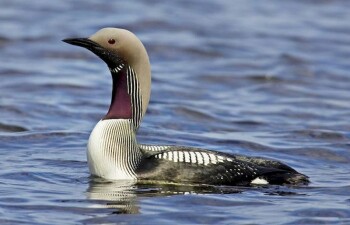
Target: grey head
x,y
121,48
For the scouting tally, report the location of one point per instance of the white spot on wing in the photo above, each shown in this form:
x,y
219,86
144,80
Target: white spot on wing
x,y
175,156
181,156
193,157
170,156
206,158
187,157
220,158
212,158
199,157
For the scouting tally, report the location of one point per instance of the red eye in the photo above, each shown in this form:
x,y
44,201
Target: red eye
x,y
111,41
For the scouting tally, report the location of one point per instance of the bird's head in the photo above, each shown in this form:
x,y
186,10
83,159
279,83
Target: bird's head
x,y
120,48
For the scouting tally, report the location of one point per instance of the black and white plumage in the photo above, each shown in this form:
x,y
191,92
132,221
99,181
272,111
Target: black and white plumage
x,y
195,165
114,153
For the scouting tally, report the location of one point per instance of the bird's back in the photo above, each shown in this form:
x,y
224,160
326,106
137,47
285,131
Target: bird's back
x,y
178,164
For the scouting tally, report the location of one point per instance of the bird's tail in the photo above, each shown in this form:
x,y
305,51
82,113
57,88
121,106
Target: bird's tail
x,y
289,178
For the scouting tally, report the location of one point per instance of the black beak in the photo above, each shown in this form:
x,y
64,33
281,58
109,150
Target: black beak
x,y
85,43
110,58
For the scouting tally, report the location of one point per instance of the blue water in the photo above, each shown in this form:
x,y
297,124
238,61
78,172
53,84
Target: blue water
x,y
263,78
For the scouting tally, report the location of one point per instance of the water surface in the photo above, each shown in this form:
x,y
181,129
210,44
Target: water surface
x,y
257,78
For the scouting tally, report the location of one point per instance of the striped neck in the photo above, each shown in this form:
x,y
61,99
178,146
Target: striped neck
x,y
120,107
126,101
113,152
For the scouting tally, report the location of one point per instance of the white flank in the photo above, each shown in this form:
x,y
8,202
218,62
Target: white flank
x,y
259,180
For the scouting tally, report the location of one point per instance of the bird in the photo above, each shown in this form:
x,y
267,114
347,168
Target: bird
x,y
113,152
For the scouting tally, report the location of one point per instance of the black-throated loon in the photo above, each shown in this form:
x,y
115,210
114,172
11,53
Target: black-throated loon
x,y
113,151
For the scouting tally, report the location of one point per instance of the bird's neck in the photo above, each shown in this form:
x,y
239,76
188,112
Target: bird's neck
x,y
120,107
126,101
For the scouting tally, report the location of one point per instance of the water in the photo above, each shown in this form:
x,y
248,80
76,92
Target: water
x,y
250,77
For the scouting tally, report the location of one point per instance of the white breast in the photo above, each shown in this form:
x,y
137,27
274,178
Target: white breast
x,y
112,150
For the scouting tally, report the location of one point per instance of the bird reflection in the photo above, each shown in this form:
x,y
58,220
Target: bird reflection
x,y
119,195
124,195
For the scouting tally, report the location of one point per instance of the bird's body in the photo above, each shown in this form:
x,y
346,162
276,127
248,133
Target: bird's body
x,y
114,153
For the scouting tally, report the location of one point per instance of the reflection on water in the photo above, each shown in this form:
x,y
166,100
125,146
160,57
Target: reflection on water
x,y
123,196
120,195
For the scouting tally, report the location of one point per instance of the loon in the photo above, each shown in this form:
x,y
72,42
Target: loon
x,y
113,152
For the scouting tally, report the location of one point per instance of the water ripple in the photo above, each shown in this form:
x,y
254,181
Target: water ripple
x,y
11,128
